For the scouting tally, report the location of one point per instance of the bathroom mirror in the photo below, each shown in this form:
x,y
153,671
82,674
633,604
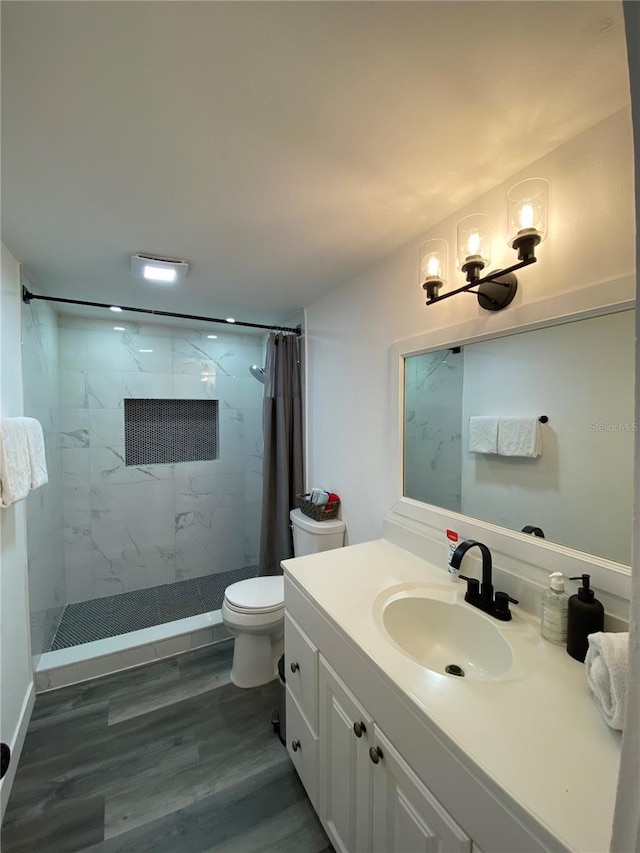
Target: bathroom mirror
x,y
580,375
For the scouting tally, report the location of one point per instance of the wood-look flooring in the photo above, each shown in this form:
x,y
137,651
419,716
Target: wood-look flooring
x,y
165,758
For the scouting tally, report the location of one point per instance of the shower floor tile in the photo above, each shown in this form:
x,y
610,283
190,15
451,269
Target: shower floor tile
x,y
143,608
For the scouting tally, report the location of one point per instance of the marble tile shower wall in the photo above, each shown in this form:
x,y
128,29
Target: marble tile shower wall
x,y
433,430
41,381
129,528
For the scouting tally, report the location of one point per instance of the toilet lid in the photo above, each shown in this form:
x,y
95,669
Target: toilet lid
x,y
257,594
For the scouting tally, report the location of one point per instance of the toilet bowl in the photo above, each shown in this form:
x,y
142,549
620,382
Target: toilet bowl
x,y
253,612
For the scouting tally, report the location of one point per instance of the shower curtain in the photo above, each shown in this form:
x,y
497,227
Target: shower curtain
x,y
283,462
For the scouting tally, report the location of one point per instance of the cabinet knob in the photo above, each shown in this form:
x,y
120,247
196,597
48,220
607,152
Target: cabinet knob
x,y
359,729
375,754
295,745
295,667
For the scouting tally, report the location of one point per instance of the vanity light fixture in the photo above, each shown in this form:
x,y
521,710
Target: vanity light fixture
x,y
158,269
527,206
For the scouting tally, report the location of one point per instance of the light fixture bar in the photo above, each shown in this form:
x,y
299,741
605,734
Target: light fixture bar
x,y
490,278
27,296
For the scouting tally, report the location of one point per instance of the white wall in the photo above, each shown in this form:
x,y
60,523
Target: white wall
x,y
351,416
16,680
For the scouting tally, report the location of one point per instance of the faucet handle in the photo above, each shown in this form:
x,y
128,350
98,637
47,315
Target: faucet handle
x,y
473,586
502,604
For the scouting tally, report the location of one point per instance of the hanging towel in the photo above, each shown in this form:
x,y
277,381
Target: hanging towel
x,y
606,666
15,468
483,435
37,458
519,437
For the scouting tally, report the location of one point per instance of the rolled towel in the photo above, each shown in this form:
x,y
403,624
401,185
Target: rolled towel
x,y
37,458
483,435
606,666
15,468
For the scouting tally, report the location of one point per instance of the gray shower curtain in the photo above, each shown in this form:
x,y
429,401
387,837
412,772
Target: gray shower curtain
x,y
283,475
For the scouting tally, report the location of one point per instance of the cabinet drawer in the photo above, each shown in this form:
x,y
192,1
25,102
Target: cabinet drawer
x,y
302,746
301,670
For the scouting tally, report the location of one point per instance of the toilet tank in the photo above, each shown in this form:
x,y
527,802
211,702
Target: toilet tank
x,y
311,537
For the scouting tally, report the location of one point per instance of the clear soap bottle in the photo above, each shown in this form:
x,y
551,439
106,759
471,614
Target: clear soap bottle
x,y
555,603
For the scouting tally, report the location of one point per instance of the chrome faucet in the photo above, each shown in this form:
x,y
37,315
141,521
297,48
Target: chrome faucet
x,y
482,596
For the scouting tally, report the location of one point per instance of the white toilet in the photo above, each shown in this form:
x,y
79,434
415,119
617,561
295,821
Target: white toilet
x,y
253,610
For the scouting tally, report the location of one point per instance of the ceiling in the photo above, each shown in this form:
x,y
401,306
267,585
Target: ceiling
x,y
280,147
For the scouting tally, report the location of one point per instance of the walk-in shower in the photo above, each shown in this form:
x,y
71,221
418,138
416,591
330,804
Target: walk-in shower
x,y
118,546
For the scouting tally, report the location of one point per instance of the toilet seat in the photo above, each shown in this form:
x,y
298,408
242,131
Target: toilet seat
x,y
256,595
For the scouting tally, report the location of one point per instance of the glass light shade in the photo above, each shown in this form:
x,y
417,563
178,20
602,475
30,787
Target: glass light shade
x,y
434,256
474,240
527,210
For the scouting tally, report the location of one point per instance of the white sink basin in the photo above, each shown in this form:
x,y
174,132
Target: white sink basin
x,y
435,627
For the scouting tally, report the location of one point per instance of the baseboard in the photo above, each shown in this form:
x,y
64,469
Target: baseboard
x,y
16,745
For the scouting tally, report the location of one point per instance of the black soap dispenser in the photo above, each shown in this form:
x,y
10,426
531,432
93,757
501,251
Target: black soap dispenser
x,y
585,616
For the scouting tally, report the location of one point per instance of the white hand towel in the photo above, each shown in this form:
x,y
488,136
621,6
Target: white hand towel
x,y
519,437
483,435
606,666
15,468
37,458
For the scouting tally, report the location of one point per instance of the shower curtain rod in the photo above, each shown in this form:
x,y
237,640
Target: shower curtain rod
x,y
27,296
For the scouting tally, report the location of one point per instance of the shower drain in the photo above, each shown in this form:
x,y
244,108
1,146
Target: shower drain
x,y
454,669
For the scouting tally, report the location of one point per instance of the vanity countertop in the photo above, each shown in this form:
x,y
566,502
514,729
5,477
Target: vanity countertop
x,y
544,742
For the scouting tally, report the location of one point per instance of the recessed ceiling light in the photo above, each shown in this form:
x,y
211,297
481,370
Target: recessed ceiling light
x,y
230,320
118,328
161,270
145,350
212,337
115,308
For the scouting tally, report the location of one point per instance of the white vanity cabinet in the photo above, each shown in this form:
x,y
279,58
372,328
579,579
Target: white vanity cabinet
x,y
370,799
461,758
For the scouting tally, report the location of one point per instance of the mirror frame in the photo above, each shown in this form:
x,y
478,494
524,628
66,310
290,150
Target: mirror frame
x,y
598,299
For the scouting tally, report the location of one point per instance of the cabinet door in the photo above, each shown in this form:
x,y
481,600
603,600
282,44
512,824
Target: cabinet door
x,y
302,746
301,669
407,818
345,767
